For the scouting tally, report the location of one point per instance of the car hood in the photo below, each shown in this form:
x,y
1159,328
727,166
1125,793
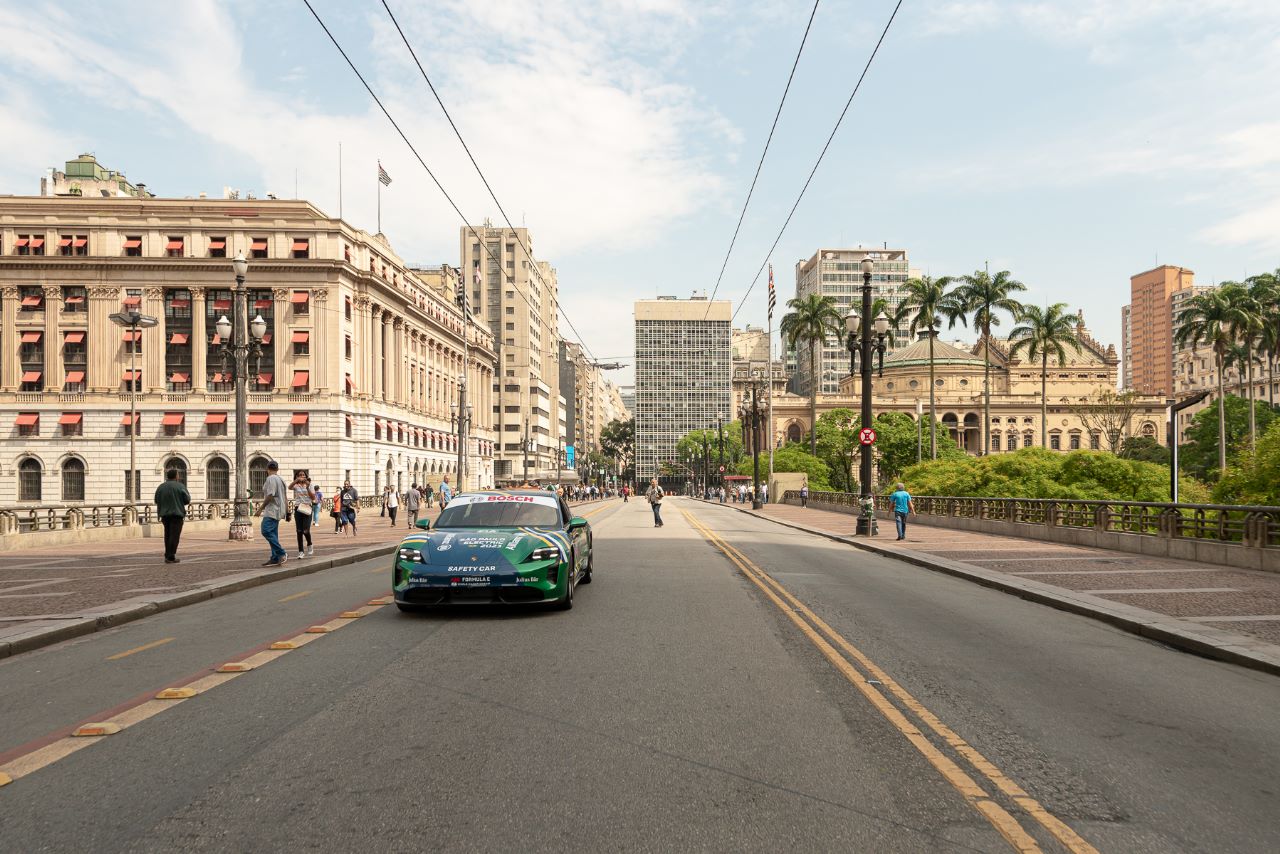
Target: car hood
x,y
485,545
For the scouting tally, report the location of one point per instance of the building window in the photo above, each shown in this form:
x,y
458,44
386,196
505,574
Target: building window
x,y
1055,442
300,424
215,423
995,442
72,423
1013,441
257,475
347,348
301,247
259,424
179,465
1074,442
137,484
64,245
1095,441
73,480
347,307
174,247
133,245
349,427
22,246
217,247
31,298
29,479
301,302
301,343
377,429
217,478
28,423
74,300
258,247
174,424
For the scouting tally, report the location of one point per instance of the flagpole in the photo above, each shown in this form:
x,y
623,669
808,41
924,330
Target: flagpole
x,y
379,180
339,180
769,372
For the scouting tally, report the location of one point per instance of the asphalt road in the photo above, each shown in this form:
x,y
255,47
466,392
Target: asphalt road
x,y
685,703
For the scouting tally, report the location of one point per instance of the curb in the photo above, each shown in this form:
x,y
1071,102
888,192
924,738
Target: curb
x,y
1180,634
86,622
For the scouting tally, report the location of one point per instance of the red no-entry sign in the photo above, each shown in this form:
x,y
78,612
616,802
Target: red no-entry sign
x,y
867,436
721,469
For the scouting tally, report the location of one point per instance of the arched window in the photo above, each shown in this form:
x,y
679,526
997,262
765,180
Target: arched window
x,y
217,480
73,479
29,479
177,464
794,434
1148,430
257,475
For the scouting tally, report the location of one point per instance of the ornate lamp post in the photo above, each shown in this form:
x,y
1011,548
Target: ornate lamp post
x,y
460,417
872,339
720,430
135,321
239,341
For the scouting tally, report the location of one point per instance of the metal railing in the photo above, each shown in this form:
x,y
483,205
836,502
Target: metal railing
x,y
1254,526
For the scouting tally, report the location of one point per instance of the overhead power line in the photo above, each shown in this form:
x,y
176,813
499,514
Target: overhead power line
x,y
760,164
484,246
527,251
818,162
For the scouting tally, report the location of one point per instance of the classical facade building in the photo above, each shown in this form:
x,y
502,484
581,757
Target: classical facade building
x,y
1015,398
359,365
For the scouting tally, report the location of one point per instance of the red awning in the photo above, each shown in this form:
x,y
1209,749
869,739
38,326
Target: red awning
x,y
300,337
74,337
73,300
215,418
133,243
27,419
172,419
173,244
299,246
132,376
31,337
71,418
22,241
127,418
301,378
180,303
178,338
30,301
180,378
299,297
132,301
222,305
299,418
131,335
37,242
258,246
217,339
217,378
75,377
80,242
31,376
350,383
266,338
259,417
262,303
217,243
264,379
66,241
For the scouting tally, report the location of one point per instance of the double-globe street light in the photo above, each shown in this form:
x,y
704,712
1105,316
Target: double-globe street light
x,y
238,342
751,415
135,321
460,417
873,335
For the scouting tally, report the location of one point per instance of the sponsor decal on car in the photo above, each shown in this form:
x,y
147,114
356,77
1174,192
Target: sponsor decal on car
x,y
464,568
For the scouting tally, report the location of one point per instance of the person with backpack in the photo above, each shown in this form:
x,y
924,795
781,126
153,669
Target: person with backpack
x,y
412,501
350,501
654,497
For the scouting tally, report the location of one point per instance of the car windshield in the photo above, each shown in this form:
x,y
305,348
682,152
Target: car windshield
x,y
499,514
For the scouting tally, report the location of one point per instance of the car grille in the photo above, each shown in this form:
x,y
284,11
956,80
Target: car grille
x,y
472,595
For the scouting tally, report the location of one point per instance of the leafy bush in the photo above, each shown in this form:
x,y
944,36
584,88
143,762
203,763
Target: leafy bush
x,y
1255,478
792,458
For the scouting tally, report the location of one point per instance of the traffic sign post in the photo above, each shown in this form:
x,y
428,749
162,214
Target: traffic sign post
x,y
721,469
867,436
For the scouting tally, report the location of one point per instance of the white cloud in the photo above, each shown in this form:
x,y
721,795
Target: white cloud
x,y
1258,226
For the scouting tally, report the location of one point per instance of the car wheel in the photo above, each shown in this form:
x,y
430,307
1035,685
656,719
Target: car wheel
x,y
567,602
591,557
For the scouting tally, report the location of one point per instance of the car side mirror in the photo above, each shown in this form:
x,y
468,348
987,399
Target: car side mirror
x,y
577,522
424,524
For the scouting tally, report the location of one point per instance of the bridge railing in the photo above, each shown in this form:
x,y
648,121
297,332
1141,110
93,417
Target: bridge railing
x,y
1243,525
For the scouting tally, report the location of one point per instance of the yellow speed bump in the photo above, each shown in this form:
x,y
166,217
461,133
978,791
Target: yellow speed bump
x,y
176,694
318,630
5,779
379,602
91,730
234,667
284,645
351,615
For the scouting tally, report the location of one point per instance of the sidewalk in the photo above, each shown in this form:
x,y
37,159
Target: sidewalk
x,y
52,593
1227,613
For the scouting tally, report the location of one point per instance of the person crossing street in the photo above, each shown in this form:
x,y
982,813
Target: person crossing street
x,y
654,497
172,499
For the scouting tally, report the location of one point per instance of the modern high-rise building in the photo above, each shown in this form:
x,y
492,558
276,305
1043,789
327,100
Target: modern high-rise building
x,y
1150,328
683,381
517,299
837,273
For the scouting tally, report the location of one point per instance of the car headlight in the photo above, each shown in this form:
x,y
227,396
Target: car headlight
x,y
544,553
411,554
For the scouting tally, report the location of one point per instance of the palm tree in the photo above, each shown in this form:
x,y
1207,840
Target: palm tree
x,y
926,300
1043,333
810,321
983,295
1245,328
898,317
1209,318
1265,289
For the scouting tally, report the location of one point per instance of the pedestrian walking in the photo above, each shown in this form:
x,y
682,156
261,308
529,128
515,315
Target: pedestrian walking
x,y
446,492
172,499
391,500
274,507
427,497
902,505
383,511
315,505
350,501
338,518
304,503
804,494
654,497
412,501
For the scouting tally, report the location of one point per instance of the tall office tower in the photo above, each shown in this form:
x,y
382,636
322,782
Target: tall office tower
x,y
683,381
517,299
1151,327
837,273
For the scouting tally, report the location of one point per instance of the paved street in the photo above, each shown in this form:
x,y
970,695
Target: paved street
x,y
725,684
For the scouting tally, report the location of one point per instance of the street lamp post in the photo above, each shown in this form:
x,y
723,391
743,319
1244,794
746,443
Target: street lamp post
x,y
460,417
239,341
525,477
720,430
872,340
135,321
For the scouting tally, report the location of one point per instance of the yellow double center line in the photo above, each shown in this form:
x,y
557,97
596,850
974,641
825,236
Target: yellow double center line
x,y
831,644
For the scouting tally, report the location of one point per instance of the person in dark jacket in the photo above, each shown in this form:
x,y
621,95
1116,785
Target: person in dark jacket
x,y
172,499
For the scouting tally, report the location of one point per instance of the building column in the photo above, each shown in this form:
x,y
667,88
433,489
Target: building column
x,y
199,341
154,379
280,340
8,322
101,367
53,373
362,342
320,354
400,362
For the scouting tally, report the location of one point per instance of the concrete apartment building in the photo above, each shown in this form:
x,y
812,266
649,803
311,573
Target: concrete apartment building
x,y
359,364
836,273
1149,328
517,298
683,376
580,386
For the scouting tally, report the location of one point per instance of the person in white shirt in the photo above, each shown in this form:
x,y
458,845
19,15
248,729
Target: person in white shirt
x,y
274,507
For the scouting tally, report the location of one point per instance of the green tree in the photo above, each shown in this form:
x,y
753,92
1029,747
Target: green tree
x,y
1255,476
1199,455
809,322
1246,328
1045,332
898,442
618,442
1146,450
837,432
927,300
794,458
1265,288
1210,318
984,296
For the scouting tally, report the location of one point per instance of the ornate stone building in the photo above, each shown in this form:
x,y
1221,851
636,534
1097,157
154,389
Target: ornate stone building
x,y
359,364
1015,397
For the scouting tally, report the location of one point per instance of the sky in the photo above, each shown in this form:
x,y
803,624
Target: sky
x,y
1071,142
